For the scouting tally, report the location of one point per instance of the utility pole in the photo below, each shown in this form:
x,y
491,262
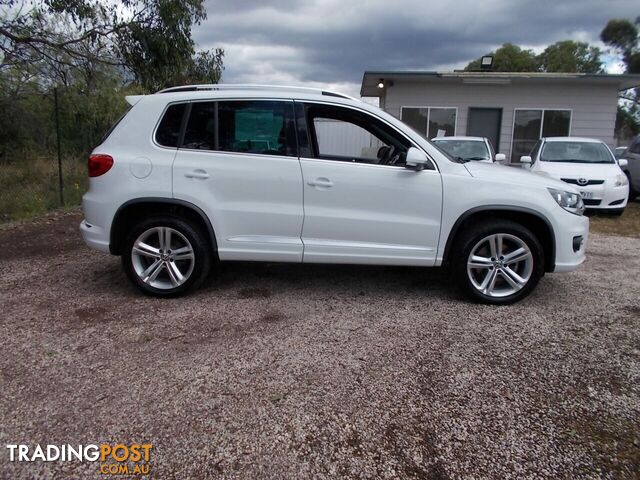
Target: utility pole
x,y
60,184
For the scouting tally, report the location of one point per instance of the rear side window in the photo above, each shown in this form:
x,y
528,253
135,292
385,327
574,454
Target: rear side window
x,y
253,126
263,127
168,133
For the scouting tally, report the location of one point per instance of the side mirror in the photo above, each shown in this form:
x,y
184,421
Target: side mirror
x,y
500,157
623,162
526,161
416,159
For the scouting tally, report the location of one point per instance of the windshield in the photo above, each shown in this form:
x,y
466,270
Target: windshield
x,y
576,152
465,149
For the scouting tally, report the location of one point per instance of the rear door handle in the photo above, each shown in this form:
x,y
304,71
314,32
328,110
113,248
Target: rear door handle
x,y
320,182
198,173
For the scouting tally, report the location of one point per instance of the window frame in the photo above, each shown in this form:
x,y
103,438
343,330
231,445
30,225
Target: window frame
x,y
540,109
313,145
187,115
429,107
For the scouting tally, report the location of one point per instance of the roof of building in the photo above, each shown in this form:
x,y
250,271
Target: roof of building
x,y
372,78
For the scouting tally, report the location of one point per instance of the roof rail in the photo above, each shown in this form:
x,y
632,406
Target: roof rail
x,y
227,86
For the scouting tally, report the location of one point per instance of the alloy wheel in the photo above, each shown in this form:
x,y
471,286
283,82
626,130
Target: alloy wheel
x,y
500,265
163,258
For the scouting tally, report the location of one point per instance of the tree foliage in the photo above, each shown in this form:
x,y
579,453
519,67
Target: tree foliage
x,y
150,40
509,58
623,36
565,56
570,57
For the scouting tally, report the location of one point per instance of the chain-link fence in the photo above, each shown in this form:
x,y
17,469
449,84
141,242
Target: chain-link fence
x,y
43,176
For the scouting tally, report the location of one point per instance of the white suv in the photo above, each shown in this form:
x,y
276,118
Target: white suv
x,y
197,174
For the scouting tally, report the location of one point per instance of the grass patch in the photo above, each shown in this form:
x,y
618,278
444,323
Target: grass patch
x,y
29,186
627,225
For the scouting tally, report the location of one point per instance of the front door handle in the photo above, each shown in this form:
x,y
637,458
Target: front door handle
x,y
198,173
320,182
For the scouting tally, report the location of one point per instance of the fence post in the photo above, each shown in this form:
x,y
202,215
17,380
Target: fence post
x,y
60,184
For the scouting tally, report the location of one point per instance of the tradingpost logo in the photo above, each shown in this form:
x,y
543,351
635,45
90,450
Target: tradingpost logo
x,y
116,459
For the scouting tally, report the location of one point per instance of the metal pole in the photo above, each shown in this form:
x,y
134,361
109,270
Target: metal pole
x,y
60,184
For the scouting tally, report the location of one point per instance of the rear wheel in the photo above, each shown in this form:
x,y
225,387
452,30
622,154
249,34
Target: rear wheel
x,y
499,262
166,256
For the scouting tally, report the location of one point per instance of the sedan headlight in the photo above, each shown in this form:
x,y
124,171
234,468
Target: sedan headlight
x,y
571,202
621,181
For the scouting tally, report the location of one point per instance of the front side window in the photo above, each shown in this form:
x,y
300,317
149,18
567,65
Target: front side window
x,y
576,152
349,135
253,126
168,132
530,125
430,122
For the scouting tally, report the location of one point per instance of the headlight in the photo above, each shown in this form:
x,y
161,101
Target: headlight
x,y
571,202
621,181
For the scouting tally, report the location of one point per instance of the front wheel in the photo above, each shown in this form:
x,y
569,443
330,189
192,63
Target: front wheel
x,y
498,263
166,256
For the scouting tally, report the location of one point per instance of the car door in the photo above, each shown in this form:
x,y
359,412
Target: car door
x,y
361,205
238,162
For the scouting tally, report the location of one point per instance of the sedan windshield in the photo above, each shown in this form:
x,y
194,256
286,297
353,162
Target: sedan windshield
x,y
465,149
576,152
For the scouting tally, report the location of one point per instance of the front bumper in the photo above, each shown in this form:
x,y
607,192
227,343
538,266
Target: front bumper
x,y
605,196
567,238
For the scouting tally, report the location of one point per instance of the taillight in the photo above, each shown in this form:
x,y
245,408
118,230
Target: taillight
x,y
99,165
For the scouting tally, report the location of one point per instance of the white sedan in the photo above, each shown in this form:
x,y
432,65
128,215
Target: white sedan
x,y
586,163
469,148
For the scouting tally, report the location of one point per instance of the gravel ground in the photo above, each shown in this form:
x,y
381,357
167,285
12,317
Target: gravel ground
x,y
289,371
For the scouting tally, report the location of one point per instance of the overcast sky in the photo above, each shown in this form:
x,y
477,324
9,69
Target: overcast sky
x,y
330,43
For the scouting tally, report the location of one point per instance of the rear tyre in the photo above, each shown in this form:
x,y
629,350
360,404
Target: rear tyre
x,y
166,256
498,262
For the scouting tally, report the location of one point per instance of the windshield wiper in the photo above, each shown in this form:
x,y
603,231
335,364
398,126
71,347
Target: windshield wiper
x,y
476,158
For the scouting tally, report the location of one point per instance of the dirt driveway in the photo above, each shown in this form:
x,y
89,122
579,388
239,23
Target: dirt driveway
x,y
276,371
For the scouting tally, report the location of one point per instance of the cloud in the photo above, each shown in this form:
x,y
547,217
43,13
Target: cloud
x,y
330,43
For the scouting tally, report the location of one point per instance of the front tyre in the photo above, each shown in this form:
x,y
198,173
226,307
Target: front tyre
x,y
166,256
498,263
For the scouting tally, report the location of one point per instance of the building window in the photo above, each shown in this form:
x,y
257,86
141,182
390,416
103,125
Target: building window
x,y
431,121
529,125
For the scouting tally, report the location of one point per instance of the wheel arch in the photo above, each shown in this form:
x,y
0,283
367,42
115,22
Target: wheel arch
x,y
139,208
539,225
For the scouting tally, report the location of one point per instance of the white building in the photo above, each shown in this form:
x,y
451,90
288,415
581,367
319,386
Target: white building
x,y
512,109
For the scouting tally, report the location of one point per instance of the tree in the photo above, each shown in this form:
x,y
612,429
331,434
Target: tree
x,y
570,57
564,56
151,39
509,58
623,36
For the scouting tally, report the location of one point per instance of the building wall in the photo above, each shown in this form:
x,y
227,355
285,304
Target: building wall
x,y
593,106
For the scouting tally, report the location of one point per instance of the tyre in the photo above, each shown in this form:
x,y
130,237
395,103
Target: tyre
x,y
498,262
633,194
166,256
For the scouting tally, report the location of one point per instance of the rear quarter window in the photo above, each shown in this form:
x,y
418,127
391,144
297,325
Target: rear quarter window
x,y
168,132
